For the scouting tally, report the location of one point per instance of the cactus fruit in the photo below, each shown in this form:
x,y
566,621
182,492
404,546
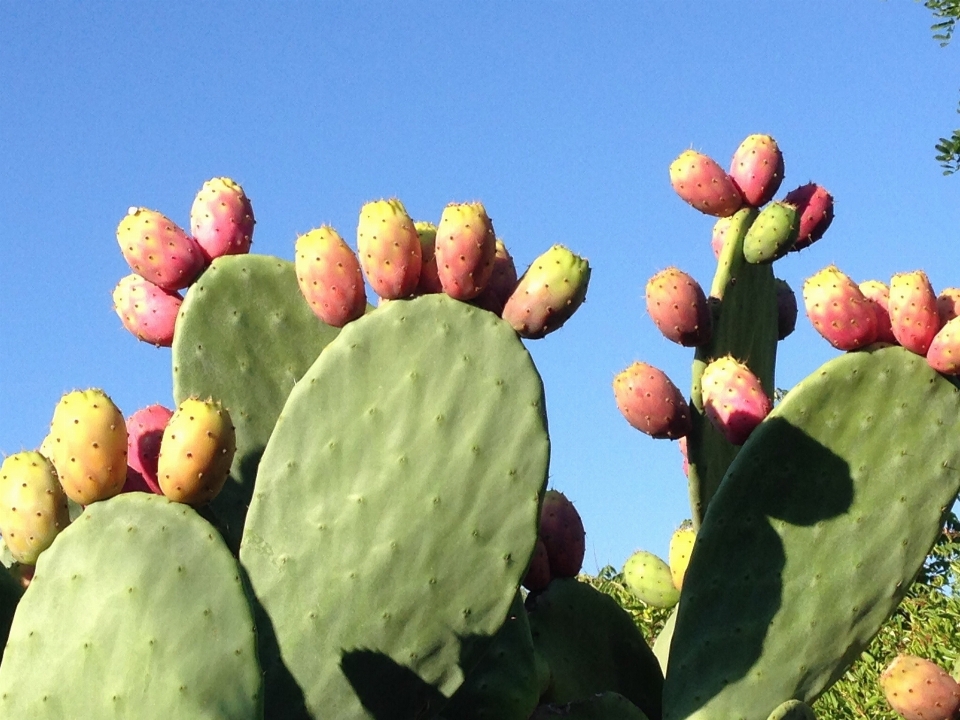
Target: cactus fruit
x,y
678,307
33,506
144,433
702,183
733,398
918,689
221,219
838,309
548,294
719,235
147,310
329,276
389,249
429,281
561,531
88,446
502,282
914,317
878,294
815,206
538,574
649,578
678,557
158,250
650,402
772,234
757,169
786,309
943,355
196,451
948,304
465,249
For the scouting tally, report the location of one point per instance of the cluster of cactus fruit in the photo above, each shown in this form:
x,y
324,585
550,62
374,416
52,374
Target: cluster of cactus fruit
x,y
347,514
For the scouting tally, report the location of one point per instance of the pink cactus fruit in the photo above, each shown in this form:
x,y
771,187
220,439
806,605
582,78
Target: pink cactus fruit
x,y
878,295
786,309
734,401
551,290
465,249
503,281
944,352
389,248
719,235
538,574
146,310
685,466
561,531
757,169
678,307
948,304
914,317
329,276
918,689
815,207
144,433
221,219
429,281
701,182
157,249
838,309
651,403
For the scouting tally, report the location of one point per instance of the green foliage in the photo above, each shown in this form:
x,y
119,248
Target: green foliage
x,y
946,13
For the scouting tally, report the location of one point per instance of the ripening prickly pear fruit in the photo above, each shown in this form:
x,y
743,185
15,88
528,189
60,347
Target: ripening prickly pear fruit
x,y
681,545
561,531
88,446
538,574
465,249
702,183
733,398
196,451
948,304
651,403
33,506
786,309
158,250
772,234
757,169
719,235
944,352
685,465
429,281
389,249
221,219
146,310
144,433
648,577
678,307
878,295
329,276
815,206
914,317
838,309
502,282
548,294
918,689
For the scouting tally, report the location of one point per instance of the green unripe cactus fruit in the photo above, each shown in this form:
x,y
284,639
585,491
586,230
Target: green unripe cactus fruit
x,y
772,234
649,578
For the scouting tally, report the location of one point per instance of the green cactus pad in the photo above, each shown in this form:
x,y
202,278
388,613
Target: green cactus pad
x,y
812,540
661,646
602,706
744,326
396,510
136,610
592,646
244,336
792,710
504,685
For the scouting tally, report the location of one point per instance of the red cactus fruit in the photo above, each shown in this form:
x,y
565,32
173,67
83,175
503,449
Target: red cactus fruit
x,y
146,310
503,281
221,219
389,249
786,309
538,574
948,304
757,169
838,309
549,293
815,207
918,689
562,534
914,317
878,294
465,249
701,182
733,398
944,352
157,249
719,235
685,466
678,306
144,433
329,276
651,403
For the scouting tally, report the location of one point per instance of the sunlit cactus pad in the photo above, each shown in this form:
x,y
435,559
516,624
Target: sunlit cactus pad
x,y
396,507
137,610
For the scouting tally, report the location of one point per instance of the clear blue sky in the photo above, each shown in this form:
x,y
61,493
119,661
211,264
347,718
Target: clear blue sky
x,y
562,120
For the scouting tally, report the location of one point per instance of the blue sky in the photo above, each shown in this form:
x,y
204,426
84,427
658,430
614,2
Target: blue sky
x,y
561,119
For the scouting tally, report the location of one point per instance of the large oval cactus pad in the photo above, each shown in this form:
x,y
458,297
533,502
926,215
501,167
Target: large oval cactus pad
x,y
245,335
136,610
814,536
397,503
